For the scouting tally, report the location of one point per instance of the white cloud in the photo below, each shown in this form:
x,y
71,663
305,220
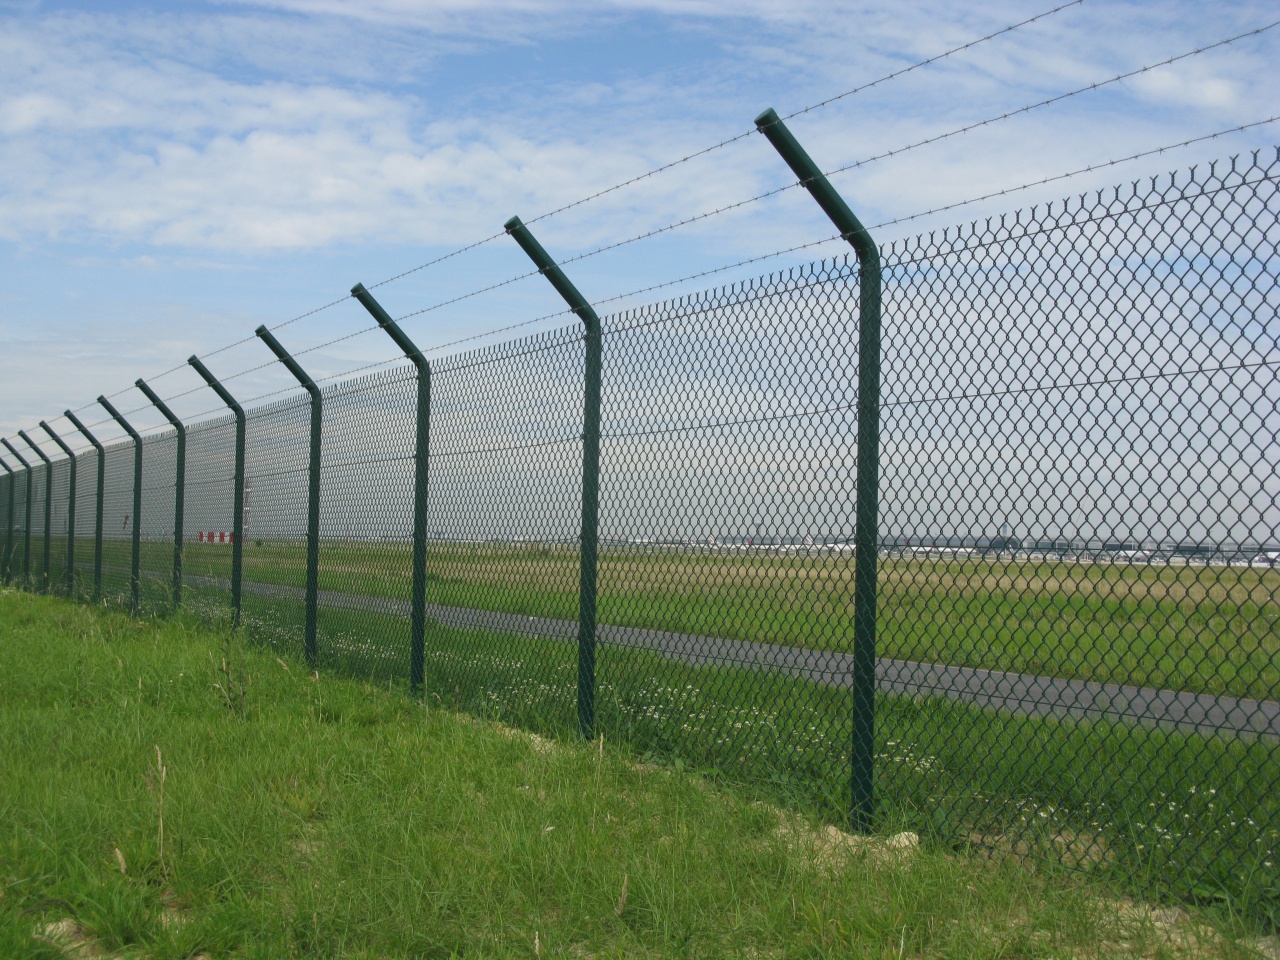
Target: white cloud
x,y
106,137
256,135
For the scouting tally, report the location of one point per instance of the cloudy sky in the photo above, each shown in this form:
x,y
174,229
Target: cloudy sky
x,y
173,174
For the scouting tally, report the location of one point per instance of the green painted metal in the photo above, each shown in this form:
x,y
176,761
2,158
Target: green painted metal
x,y
421,453
313,488
135,567
11,481
26,529
48,510
862,801
237,507
97,522
71,508
179,487
590,470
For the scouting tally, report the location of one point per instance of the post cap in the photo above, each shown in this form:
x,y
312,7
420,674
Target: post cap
x,y
767,118
512,224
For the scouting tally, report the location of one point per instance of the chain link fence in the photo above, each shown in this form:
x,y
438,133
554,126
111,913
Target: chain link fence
x,y
1077,643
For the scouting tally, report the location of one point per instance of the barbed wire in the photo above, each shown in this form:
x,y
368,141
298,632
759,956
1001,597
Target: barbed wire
x,y
814,106
633,180
1074,173
473,293
440,259
1051,100
738,204
436,348
738,137
814,243
212,353
891,153
900,150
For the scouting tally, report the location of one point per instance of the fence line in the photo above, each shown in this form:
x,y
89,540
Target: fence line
x,y
1076,650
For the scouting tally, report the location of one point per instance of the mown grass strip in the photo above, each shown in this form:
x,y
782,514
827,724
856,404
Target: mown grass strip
x,y
1202,629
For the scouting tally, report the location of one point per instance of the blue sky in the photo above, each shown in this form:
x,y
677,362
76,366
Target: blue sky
x,y
173,174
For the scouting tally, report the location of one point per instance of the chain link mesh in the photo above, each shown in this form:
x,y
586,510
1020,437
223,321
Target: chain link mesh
x,y
1077,643
19,562
207,518
38,575
117,524
59,501
86,516
8,522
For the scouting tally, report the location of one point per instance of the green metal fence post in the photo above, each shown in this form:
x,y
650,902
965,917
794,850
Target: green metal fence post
x,y
135,574
97,521
48,508
71,508
313,488
11,481
418,596
26,528
179,487
590,470
868,476
237,506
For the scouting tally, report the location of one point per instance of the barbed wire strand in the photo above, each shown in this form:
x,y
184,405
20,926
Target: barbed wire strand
x,y
214,353
489,333
738,137
636,179
728,206
1060,97
436,348
860,163
814,243
708,214
644,176
814,106
1074,173
900,150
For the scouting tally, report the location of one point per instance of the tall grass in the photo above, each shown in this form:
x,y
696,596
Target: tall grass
x,y
1184,817
324,817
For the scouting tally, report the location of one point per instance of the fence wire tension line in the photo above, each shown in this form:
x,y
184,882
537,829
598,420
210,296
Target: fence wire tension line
x,y
975,533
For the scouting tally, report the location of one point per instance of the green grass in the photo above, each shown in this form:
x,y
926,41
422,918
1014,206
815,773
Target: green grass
x,y
1193,819
327,817
1195,628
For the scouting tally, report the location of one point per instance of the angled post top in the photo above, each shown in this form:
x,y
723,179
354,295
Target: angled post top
x,y
12,449
75,422
401,339
115,415
159,404
291,364
58,440
815,181
32,444
223,394
549,269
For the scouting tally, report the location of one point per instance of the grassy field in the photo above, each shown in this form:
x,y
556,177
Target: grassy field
x,y
169,793
1195,628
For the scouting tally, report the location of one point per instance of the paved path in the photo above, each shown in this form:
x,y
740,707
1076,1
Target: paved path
x,y
1019,693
